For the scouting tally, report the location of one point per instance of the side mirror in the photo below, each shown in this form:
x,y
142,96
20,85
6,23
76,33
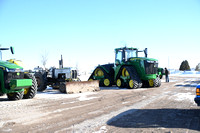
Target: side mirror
x,y
145,52
12,50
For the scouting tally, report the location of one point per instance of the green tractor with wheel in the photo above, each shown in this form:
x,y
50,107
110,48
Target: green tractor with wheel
x,y
128,71
14,82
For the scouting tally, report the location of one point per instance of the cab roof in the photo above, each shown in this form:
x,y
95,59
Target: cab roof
x,y
126,48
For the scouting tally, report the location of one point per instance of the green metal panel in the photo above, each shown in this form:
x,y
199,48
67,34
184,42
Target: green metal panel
x,y
20,83
5,64
1,80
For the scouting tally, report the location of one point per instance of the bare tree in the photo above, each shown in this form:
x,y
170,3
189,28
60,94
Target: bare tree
x,y
44,59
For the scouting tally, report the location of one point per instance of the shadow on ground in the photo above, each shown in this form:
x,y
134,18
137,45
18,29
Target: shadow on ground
x,y
154,118
112,88
192,82
2,99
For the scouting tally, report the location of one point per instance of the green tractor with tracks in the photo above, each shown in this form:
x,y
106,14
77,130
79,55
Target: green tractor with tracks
x,y
128,71
14,82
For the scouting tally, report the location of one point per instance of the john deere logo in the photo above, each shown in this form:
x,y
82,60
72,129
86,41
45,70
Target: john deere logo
x,y
18,74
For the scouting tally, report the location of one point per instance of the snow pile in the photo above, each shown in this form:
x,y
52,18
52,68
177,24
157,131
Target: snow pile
x,y
103,129
184,73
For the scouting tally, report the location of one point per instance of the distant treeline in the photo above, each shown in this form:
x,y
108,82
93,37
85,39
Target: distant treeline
x,y
186,67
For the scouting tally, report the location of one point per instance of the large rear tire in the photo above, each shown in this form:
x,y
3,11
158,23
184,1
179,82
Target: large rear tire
x,y
32,90
41,81
15,96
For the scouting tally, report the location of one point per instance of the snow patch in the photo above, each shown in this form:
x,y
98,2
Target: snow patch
x,y
74,107
184,73
125,102
112,88
184,96
84,98
103,129
58,95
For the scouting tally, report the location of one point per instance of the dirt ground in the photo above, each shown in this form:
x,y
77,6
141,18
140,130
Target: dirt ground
x,y
169,108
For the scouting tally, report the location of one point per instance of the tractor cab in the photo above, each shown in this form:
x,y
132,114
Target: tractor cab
x,y
123,55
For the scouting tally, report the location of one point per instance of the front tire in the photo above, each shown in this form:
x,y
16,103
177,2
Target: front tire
x,y
62,87
15,95
32,90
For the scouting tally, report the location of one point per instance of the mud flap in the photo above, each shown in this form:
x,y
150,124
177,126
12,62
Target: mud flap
x,y
83,86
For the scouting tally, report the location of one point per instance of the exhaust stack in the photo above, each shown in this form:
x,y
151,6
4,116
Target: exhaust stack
x,y
61,63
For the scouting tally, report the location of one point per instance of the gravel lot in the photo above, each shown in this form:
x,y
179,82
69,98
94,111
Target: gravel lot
x,y
169,108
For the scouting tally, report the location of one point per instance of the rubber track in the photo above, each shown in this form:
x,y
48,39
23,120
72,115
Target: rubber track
x,y
157,82
106,76
133,74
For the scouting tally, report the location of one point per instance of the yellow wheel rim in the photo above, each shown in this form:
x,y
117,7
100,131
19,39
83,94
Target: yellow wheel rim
x,y
125,72
106,82
119,82
90,79
98,72
151,82
26,91
131,83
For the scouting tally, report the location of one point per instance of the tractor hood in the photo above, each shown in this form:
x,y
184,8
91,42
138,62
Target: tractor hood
x,y
143,58
9,66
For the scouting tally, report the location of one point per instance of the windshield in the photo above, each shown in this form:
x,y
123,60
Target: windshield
x,y
119,55
125,54
131,54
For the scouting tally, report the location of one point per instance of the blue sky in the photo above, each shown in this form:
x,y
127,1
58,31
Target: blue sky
x,y
86,32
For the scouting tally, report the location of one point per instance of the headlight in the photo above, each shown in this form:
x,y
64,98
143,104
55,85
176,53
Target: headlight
x,y
14,70
149,61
